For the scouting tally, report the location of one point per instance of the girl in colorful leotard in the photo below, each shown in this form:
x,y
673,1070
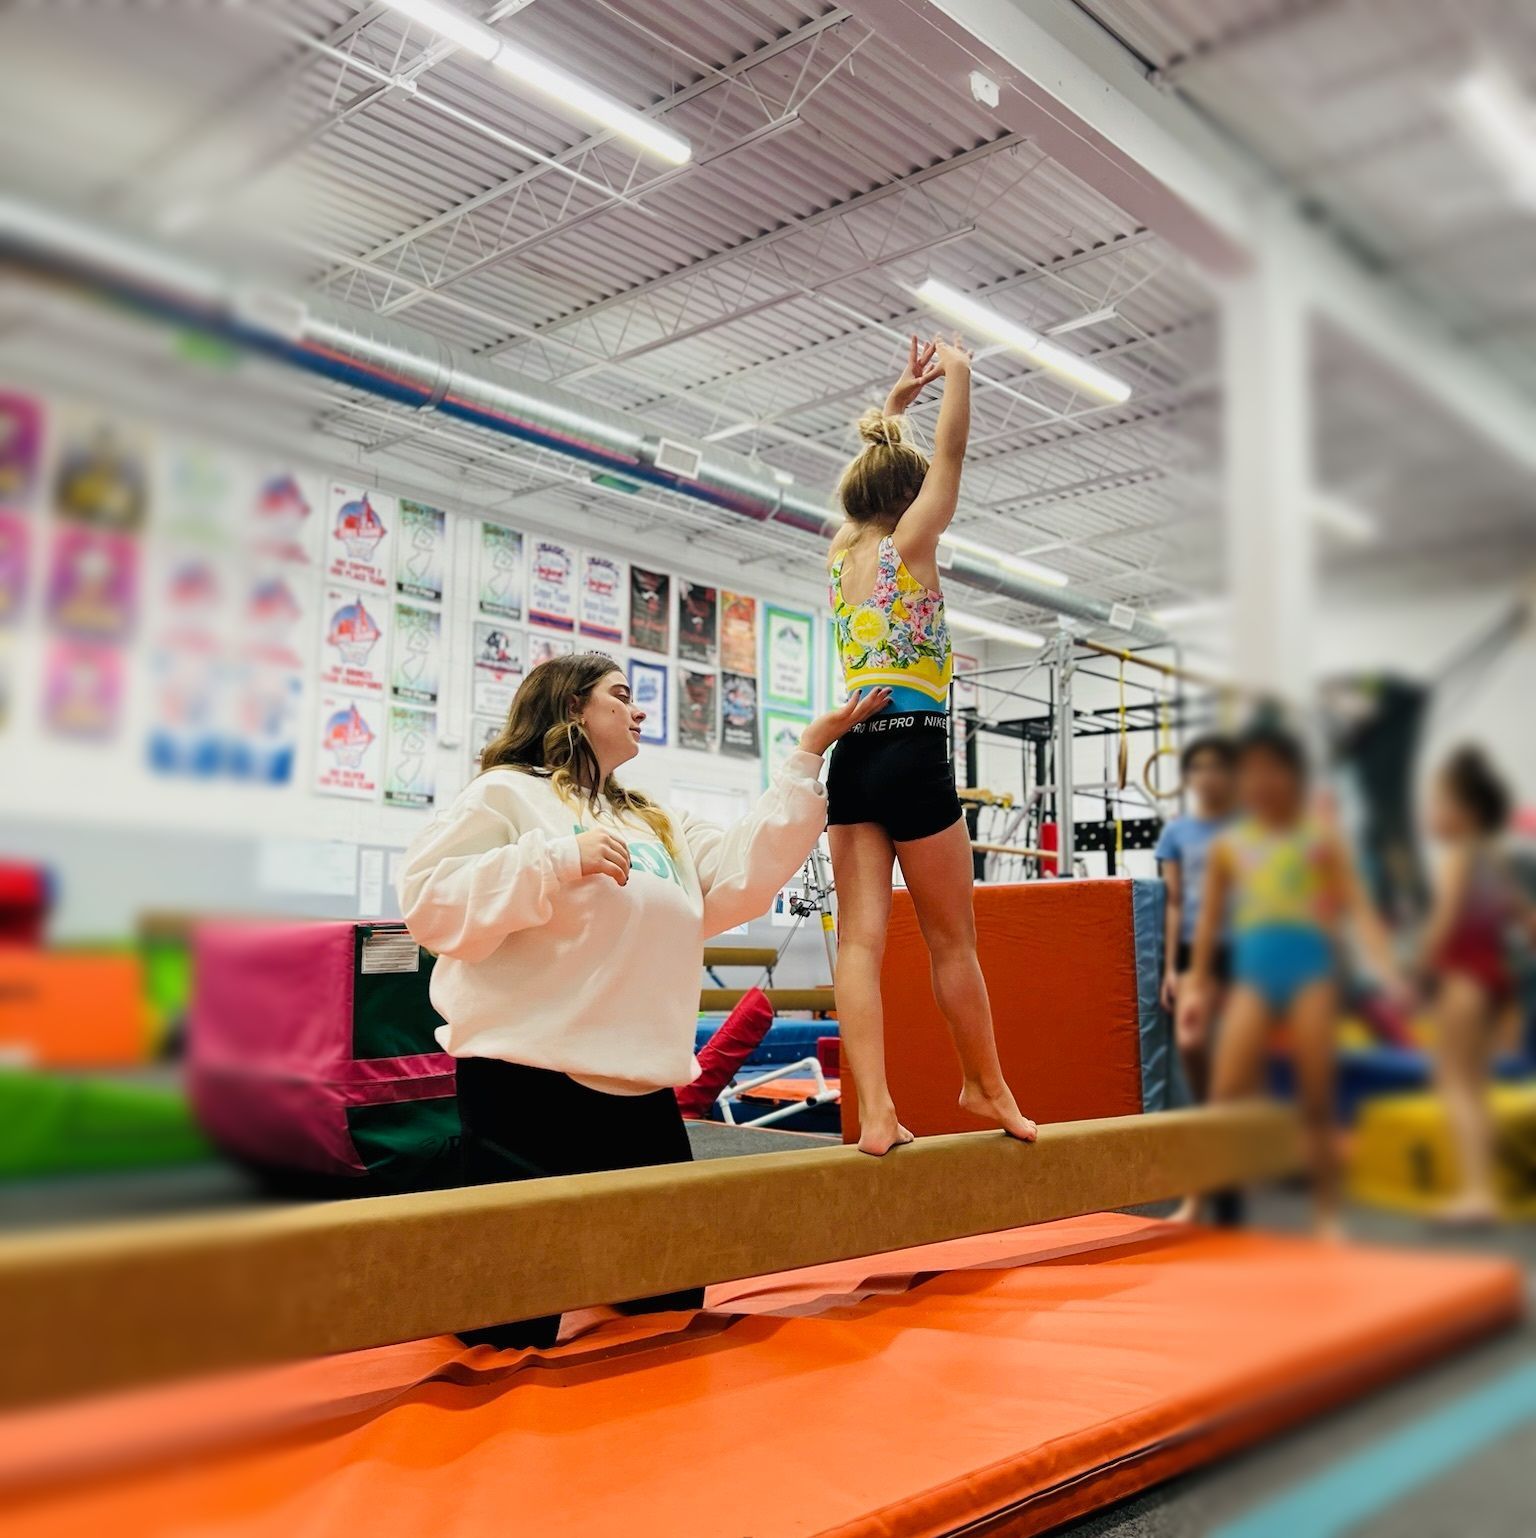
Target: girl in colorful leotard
x,y
1289,884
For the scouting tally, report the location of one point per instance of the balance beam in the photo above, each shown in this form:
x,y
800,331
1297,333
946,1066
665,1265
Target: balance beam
x,y
113,1305
740,956
717,999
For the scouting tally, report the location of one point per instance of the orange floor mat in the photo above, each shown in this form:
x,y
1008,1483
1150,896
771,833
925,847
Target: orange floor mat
x,y
1009,1382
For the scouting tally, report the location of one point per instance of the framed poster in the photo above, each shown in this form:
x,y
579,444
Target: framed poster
x,y
738,634
102,475
353,645
498,670
781,738
552,585
83,690
93,587
418,654
283,522
348,752
410,776
500,576
21,443
738,716
360,538
698,712
422,552
788,676
650,611
698,638
648,692
277,618
604,588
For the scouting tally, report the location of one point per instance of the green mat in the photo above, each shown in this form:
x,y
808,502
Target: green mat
x,y
55,1124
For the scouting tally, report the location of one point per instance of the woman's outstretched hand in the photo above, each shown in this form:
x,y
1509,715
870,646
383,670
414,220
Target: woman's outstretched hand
x,y
825,730
949,357
921,371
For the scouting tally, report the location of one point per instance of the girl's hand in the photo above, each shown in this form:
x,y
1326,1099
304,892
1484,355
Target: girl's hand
x,y
825,730
951,358
1194,1012
919,372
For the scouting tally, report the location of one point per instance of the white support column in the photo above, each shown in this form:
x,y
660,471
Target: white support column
x,y
1267,393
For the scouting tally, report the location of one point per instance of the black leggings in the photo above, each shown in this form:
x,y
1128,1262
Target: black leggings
x,y
521,1123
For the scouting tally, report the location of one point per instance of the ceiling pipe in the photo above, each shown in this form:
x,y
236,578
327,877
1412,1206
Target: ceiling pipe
x,y
413,368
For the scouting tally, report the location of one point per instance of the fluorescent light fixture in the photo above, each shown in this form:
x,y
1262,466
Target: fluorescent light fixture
x,y
1047,354
783,477
1500,120
1344,519
994,631
1079,322
1197,611
1015,563
539,75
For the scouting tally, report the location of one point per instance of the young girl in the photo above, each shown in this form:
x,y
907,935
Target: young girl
x,y
890,788
1288,882
568,915
1464,952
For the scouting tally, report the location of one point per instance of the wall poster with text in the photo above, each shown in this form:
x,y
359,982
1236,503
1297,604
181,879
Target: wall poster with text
x,y
738,716
499,662
698,710
650,611
354,642
501,577
552,585
418,654
421,552
360,537
648,692
349,750
698,634
604,588
788,679
410,777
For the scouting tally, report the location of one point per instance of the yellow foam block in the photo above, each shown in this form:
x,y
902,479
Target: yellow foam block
x,y
1404,1157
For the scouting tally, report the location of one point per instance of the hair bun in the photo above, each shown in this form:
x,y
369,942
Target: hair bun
x,y
876,427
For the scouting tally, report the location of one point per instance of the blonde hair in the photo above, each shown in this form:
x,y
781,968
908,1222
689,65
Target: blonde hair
x,y
885,478
543,737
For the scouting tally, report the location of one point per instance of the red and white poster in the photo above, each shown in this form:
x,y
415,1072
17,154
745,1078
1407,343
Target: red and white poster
x,y
284,518
360,537
350,751
604,589
354,642
552,584
277,617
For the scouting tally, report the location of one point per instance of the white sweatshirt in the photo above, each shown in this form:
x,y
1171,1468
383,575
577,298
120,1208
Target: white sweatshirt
x,y
539,964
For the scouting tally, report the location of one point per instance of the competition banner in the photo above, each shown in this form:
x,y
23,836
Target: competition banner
x,y
738,716
781,738
650,611
648,691
542,646
698,638
498,670
421,555
604,587
698,715
418,654
21,443
500,573
738,634
552,585
411,776
354,646
360,538
348,752
788,677
284,521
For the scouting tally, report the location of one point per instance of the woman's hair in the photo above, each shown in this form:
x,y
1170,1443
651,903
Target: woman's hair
x,y
543,737
1479,787
880,485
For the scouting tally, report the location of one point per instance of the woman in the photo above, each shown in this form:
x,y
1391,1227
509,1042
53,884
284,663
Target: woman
x,y
569,916
890,788
1465,956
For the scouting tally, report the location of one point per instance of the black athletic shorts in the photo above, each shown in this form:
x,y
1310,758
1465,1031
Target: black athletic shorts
x,y
894,770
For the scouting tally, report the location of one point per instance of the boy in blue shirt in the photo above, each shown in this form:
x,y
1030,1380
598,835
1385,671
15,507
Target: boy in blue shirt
x,y
1209,766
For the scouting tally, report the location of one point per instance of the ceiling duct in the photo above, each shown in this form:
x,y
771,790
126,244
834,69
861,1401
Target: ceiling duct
x,y
414,368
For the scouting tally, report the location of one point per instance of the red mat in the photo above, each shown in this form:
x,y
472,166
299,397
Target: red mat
x,y
1014,1381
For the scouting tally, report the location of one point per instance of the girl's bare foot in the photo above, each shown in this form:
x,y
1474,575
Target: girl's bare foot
x,y
880,1133
998,1106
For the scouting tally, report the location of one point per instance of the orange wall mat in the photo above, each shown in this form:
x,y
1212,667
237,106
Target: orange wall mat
x,y
1014,1380
1059,958
73,1009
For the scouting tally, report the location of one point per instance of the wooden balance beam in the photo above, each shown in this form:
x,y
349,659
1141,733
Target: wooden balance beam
x,y
717,999
113,1305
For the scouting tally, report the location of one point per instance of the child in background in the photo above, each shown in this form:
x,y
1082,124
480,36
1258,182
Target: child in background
x,y
1463,953
1289,883
1209,768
